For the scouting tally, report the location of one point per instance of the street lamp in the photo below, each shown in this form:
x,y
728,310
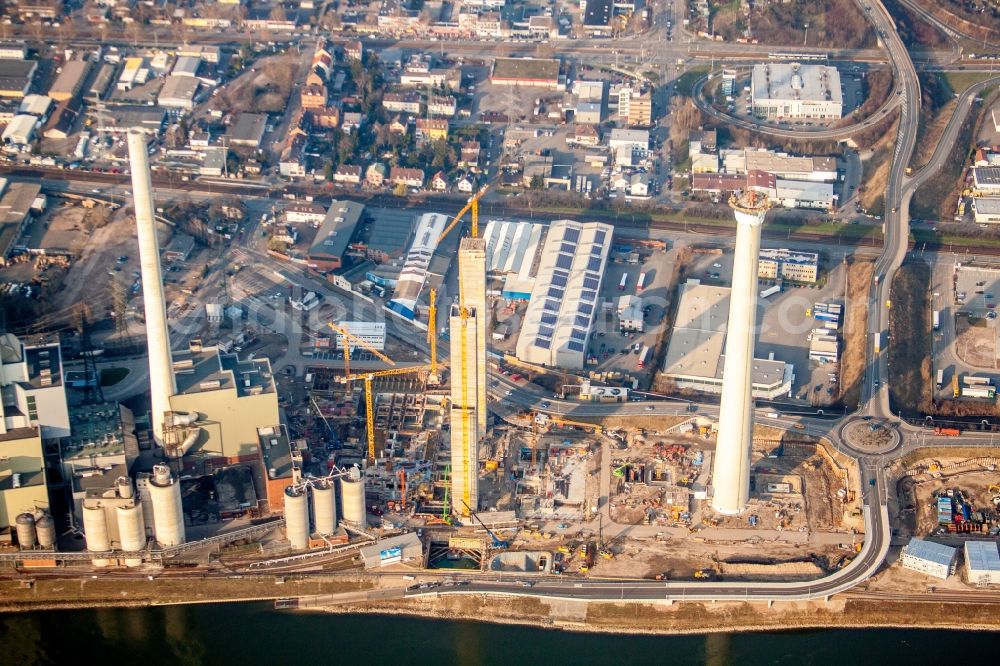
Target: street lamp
x,y
805,38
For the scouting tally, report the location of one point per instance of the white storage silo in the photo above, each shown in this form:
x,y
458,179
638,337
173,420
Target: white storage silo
x,y
352,497
131,531
25,527
45,527
324,501
297,518
168,514
124,485
95,528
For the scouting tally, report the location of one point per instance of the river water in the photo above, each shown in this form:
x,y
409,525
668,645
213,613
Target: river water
x,y
247,634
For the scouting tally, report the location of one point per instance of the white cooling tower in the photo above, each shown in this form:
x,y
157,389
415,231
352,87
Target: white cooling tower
x,y
324,501
297,517
168,512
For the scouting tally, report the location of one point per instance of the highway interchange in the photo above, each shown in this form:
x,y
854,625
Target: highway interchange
x,y
874,400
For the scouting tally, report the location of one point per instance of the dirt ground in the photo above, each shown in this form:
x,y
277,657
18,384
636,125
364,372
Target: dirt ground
x,y
976,345
933,478
852,355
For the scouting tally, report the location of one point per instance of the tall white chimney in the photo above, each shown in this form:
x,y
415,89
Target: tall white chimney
x,y
161,374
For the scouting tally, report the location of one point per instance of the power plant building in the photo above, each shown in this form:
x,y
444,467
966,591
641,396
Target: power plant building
x,y
791,91
565,295
229,398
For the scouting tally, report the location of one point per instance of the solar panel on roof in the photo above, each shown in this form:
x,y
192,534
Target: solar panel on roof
x,y
586,308
568,248
580,320
550,319
559,280
594,264
575,346
590,283
600,236
555,292
578,334
545,331
551,306
588,295
544,344
564,261
571,234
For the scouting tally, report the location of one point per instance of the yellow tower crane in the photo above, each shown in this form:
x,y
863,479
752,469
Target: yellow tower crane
x,y
432,335
472,205
349,339
369,401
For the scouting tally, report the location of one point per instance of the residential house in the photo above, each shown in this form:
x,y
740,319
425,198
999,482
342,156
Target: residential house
x,y
293,158
466,184
348,174
398,125
443,106
407,177
639,185
439,182
584,135
402,102
431,129
375,174
352,121
326,118
313,97
354,50
469,155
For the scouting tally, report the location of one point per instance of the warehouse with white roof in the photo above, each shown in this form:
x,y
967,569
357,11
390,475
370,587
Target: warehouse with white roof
x,y
414,272
695,357
927,557
566,294
511,248
792,91
982,563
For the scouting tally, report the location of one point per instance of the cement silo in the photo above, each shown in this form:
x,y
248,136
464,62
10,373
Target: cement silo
x,y
46,530
324,505
168,514
352,497
25,527
297,517
95,528
131,531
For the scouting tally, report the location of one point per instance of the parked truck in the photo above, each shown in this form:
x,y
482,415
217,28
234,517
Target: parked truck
x,y
641,284
940,379
770,291
937,320
987,392
947,432
624,281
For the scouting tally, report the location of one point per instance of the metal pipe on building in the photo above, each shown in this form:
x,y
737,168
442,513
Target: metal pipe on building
x,y
161,374
168,512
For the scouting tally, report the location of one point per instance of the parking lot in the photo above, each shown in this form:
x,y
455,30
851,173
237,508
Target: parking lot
x,y
784,328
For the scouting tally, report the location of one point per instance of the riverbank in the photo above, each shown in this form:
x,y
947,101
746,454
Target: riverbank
x,y
691,617
844,611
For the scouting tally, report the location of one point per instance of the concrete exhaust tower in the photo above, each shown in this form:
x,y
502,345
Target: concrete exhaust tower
x,y
162,383
731,470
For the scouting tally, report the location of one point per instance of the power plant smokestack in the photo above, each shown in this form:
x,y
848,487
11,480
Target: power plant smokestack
x,y
161,374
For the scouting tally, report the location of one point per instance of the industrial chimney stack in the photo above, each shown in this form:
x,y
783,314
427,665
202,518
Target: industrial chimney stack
x,y
161,374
